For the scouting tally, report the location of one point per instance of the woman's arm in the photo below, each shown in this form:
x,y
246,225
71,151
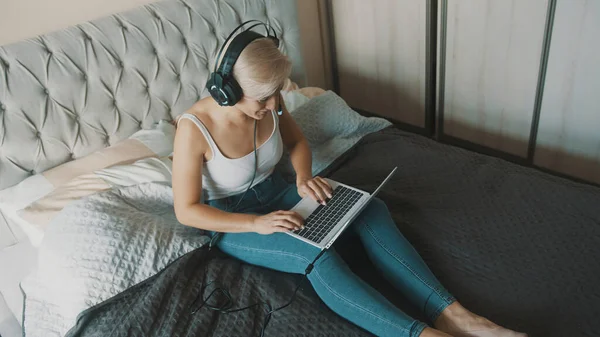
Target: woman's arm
x,y
300,155
189,149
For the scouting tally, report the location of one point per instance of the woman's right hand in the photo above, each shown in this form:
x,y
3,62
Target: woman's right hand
x,y
278,221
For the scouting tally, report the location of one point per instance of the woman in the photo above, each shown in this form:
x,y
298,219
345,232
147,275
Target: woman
x,y
214,152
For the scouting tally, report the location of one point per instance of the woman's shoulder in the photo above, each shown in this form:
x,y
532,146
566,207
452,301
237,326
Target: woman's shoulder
x,y
188,129
201,110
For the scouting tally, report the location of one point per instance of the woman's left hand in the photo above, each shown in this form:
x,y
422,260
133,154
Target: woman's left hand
x,y
316,188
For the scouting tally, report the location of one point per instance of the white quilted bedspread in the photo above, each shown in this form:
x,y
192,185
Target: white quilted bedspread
x,y
99,247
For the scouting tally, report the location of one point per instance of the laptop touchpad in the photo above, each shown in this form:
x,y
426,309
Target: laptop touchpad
x,y
305,207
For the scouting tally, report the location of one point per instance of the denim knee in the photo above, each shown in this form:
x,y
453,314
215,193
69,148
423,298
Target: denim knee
x,y
377,207
373,214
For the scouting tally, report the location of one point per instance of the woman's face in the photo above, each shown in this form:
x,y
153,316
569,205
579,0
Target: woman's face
x,y
258,108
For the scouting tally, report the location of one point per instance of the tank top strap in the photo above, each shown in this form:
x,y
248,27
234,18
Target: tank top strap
x,y
211,142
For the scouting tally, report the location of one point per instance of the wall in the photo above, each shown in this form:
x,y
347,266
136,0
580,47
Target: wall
x,y
501,65
569,130
381,56
21,19
495,71
312,16
492,62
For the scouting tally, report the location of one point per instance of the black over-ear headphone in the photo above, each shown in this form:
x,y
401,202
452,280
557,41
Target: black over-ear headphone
x,y
221,84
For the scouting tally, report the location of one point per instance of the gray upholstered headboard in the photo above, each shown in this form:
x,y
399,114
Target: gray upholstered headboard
x,y
69,93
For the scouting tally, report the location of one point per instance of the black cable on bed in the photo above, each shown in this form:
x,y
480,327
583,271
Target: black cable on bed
x,y
225,308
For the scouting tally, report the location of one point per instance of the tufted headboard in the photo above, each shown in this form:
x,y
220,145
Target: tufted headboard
x,y
66,94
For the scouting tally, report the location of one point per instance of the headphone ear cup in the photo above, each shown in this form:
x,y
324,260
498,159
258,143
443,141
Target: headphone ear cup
x,y
210,83
215,87
233,90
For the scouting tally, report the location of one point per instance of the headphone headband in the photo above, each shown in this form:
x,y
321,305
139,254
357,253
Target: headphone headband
x,y
236,47
221,84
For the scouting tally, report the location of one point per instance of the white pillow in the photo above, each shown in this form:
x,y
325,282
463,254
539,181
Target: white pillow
x,y
42,211
293,99
157,142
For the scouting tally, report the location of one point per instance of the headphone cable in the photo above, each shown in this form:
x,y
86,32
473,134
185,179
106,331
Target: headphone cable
x,y
225,308
255,169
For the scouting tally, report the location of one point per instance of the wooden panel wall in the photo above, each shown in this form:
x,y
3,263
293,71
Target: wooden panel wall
x,y
312,22
569,130
380,51
493,52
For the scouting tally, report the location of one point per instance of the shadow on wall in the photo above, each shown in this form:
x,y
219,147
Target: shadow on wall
x,y
495,140
400,103
384,97
570,164
552,160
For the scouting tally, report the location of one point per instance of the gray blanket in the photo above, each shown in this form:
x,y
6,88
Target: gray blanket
x,y
513,244
162,305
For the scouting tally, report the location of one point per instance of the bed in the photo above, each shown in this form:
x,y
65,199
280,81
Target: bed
x,y
91,247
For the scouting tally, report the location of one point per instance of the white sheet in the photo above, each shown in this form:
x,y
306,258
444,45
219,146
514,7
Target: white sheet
x,y
16,262
9,327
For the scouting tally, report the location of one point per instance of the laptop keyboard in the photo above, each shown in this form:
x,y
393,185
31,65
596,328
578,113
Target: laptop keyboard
x,y
324,218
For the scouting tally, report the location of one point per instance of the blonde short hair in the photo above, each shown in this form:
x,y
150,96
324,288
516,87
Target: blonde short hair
x,y
261,69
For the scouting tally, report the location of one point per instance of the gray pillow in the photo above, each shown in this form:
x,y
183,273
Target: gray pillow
x,y
331,128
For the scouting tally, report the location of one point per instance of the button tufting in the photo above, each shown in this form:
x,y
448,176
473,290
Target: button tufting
x,y
113,80
32,172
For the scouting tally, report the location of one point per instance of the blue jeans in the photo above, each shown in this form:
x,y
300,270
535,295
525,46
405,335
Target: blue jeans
x,y
337,286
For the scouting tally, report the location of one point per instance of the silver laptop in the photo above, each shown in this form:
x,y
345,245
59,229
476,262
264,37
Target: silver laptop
x,y
324,224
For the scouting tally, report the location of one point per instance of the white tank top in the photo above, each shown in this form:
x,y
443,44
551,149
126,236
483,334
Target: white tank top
x,y
223,177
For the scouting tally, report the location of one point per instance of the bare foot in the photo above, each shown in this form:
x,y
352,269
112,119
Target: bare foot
x,y
460,322
429,332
